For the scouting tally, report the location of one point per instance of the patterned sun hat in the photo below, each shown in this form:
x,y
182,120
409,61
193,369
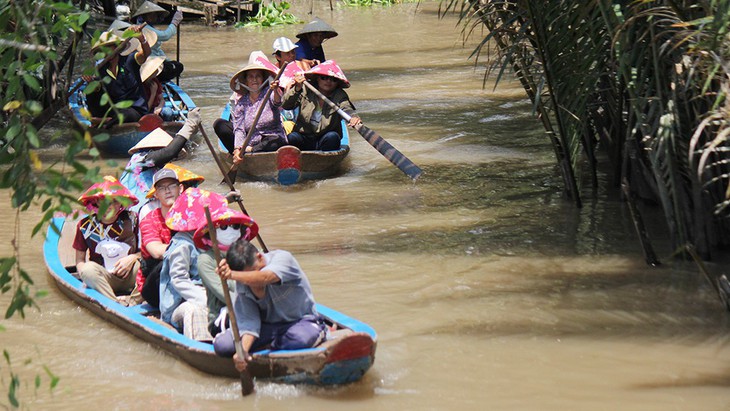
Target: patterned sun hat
x,y
287,77
188,211
183,175
222,217
328,68
109,187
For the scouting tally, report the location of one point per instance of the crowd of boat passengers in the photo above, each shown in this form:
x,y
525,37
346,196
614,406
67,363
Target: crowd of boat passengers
x,y
158,250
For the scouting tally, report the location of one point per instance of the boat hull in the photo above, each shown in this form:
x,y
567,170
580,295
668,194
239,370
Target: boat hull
x,y
344,358
288,165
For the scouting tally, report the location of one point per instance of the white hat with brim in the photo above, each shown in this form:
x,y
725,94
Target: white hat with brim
x,y
256,61
284,44
149,7
153,66
157,138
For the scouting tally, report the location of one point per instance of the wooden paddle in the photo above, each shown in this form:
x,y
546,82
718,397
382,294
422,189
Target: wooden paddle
x,y
228,181
233,172
246,379
379,143
177,81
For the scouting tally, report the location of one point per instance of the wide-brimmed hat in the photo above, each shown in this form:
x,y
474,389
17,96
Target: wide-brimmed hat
x,y
157,138
318,26
188,211
109,187
222,217
110,40
183,175
257,60
152,66
149,7
283,44
118,25
328,68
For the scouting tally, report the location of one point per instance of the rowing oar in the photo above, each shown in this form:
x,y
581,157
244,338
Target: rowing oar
x,y
178,47
234,168
386,149
246,380
228,181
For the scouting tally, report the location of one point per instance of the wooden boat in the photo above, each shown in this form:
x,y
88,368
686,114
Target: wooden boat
x,y
124,136
343,358
289,165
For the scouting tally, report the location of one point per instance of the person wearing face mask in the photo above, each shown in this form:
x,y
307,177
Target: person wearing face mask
x,y
230,226
109,234
252,82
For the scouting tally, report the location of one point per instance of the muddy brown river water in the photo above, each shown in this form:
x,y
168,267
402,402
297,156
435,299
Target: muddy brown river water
x,y
487,288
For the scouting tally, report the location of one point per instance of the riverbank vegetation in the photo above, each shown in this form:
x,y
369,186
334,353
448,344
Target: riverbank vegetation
x,y
32,58
634,89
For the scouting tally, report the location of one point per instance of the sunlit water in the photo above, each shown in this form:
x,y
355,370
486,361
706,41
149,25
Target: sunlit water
x,y
487,287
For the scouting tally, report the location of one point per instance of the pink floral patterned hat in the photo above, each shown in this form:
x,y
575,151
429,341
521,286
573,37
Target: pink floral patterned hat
x,y
225,217
109,188
328,68
287,77
188,211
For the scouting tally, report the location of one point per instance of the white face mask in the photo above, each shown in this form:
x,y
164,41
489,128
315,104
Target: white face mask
x,y
228,236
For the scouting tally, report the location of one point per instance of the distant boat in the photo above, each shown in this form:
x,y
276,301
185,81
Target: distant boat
x,y
345,357
289,165
124,136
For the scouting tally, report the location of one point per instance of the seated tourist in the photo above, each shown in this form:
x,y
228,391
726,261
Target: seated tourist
x,y
274,305
183,301
317,124
230,226
120,77
109,234
156,235
309,47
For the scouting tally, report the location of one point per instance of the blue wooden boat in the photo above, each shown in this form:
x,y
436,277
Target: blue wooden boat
x,y
289,165
343,358
124,136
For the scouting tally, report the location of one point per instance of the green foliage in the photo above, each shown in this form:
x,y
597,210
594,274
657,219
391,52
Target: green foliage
x,y
646,80
273,14
34,34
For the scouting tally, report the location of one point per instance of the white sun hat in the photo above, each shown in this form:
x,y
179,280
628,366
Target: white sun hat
x,y
284,44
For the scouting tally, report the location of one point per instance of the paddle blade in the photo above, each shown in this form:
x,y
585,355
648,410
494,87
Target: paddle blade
x,y
391,153
149,122
246,383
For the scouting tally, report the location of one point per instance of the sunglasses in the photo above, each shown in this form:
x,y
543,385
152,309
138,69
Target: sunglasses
x,y
233,226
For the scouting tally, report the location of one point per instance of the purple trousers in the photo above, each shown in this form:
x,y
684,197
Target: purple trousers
x,y
305,333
